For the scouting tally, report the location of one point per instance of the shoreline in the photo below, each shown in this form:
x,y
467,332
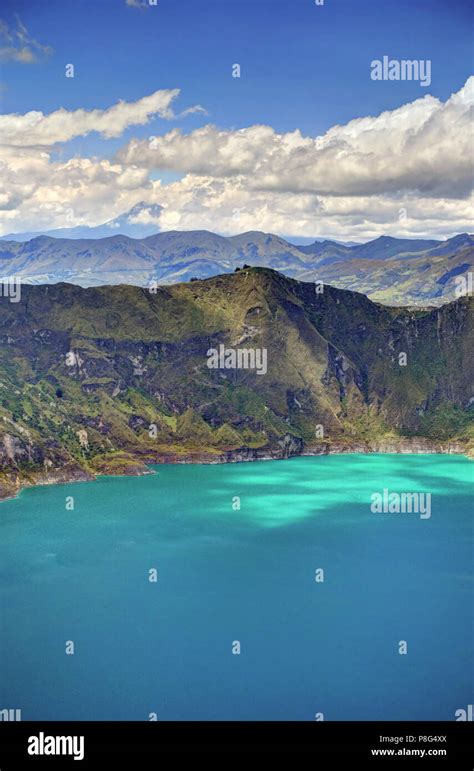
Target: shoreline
x,y
402,446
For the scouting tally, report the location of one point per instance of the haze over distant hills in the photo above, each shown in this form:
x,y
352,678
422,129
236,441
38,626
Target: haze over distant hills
x,y
389,270
140,221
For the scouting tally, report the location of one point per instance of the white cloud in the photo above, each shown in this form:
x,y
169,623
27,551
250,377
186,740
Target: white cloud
x,y
403,173
35,129
139,3
422,146
17,45
228,206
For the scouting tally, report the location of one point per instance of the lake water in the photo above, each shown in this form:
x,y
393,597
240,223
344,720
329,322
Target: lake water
x,y
247,576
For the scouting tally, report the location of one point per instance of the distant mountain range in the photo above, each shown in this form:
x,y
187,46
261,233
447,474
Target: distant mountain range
x,y
107,379
389,270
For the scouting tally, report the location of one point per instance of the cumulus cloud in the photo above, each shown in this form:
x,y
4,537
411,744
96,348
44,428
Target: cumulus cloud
x,y
17,45
37,129
228,206
37,194
403,173
421,146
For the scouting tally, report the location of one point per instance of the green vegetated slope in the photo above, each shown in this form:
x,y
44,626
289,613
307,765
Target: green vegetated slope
x,y
106,379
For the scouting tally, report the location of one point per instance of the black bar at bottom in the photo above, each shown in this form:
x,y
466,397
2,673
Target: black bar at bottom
x,y
451,742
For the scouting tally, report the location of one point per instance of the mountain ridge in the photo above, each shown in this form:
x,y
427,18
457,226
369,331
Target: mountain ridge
x,y
86,372
389,270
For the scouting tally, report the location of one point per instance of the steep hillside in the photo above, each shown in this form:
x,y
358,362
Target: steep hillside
x,y
105,379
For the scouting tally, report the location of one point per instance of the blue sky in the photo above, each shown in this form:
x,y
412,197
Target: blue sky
x,y
303,66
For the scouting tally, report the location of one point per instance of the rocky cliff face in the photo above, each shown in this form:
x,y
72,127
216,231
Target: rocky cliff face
x,y
111,378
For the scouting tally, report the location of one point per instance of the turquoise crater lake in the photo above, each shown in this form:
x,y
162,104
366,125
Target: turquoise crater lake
x,y
245,575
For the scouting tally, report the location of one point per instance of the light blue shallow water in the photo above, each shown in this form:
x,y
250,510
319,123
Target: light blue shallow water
x,y
247,576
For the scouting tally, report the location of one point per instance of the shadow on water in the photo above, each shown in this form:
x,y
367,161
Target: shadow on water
x,y
247,574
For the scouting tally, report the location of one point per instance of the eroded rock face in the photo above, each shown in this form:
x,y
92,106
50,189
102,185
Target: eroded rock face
x,y
290,445
340,369
406,446
15,451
